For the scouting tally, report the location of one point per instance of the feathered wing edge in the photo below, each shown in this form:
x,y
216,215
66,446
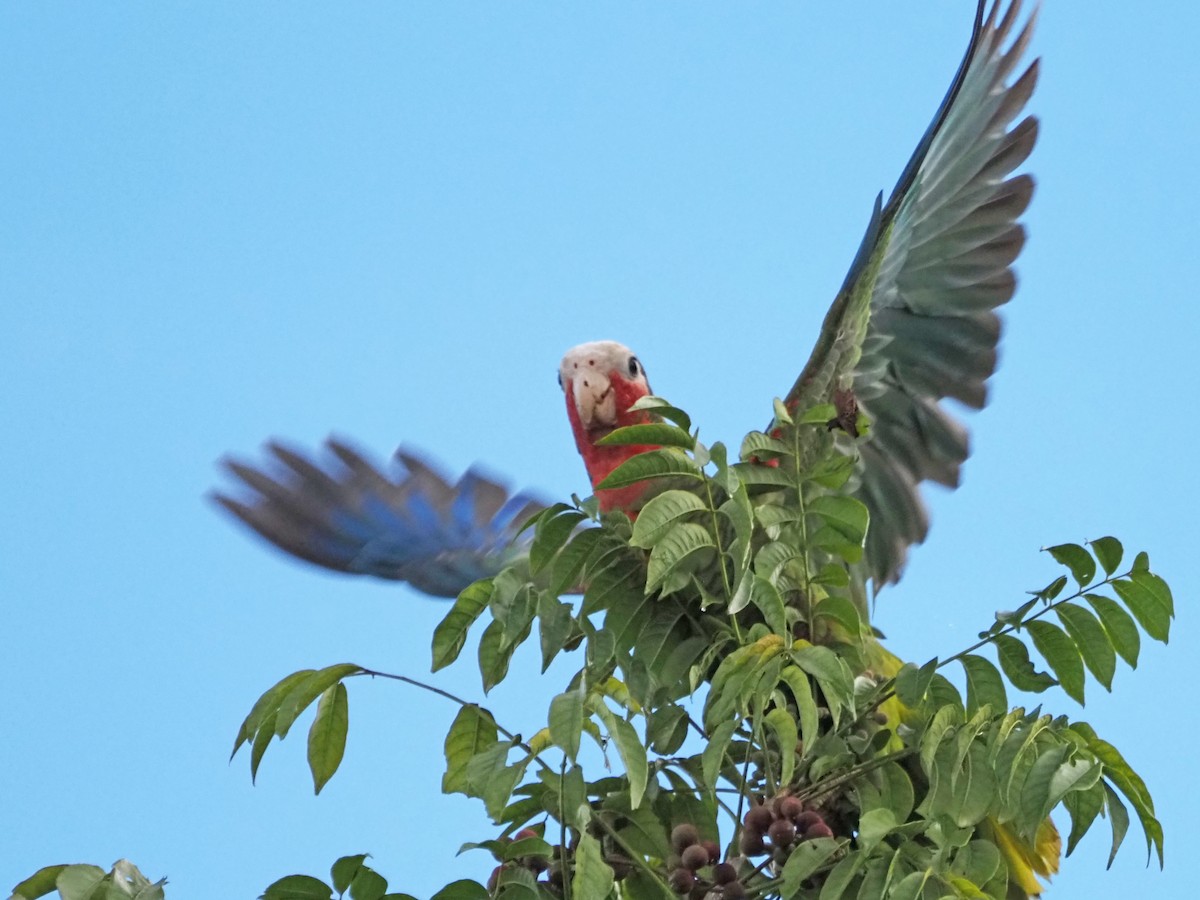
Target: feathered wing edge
x,y
343,513
915,322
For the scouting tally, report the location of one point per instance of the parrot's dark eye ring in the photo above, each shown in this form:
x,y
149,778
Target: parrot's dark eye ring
x,y
560,379
634,367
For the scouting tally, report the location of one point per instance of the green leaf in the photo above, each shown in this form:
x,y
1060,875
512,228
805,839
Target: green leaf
x,y
806,706
1120,627
472,732
1083,807
650,465
832,472
570,562
566,721
845,519
912,683
760,475
554,627
1157,588
344,870
1063,656
787,736
985,687
327,736
873,826
1017,667
805,860
820,414
943,722
261,740
888,787
713,757
306,691
1050,591
841,875
978,861
666,728
368,885
658,434
1108,551
770,603
910,886
298,887
494,655
1078,560
842,611
1091,639
662,408
451,633
266,706
38,884
1121,774
490,778
1151,614
1118,818
661,514
832,674
782,415
79,882
462,890
760,446
773,556
681,542
1035,801
631,750
593,876
551,534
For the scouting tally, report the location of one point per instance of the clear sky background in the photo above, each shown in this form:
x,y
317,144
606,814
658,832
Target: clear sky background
x,y
223,221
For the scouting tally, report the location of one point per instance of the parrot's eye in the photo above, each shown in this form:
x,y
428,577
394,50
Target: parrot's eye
x,y
634,367
560,379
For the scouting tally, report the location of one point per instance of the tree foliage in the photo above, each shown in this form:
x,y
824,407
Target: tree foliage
x,y
764,743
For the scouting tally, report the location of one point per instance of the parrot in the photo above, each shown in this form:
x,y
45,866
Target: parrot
x,y
913,324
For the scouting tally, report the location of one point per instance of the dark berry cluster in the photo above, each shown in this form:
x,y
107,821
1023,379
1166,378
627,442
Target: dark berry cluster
x,y
777,825
691,864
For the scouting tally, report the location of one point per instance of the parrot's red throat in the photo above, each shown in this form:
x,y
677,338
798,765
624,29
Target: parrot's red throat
x,y
601,460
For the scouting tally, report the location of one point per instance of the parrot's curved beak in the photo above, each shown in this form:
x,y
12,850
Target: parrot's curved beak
x,y
595,402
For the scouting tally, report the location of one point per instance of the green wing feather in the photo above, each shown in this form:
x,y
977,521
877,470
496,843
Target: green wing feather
x,y
914,322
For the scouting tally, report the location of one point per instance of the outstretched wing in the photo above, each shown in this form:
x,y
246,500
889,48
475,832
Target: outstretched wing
x,y
914,321
345,514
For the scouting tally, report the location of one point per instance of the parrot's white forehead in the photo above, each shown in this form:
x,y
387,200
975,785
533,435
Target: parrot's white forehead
x,y
602,356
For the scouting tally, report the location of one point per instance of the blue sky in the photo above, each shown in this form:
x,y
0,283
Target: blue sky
x,y
223,222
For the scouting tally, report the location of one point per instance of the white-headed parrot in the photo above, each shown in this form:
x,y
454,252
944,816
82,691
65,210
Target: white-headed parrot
x,y
913,323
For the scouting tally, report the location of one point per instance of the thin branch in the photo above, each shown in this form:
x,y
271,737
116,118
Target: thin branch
x,y
463,703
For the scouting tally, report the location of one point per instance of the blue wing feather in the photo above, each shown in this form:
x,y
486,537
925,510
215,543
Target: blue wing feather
x,y
344,513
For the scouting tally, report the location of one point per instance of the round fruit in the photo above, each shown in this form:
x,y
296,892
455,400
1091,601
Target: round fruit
x,y
694,857
807,820
684,836
752,843
759,819
713,850
790,807
818,830
682,881
724,873
782,832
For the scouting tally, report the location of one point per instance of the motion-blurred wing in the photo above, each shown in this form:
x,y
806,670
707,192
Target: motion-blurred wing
x,y
345,514
915,322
